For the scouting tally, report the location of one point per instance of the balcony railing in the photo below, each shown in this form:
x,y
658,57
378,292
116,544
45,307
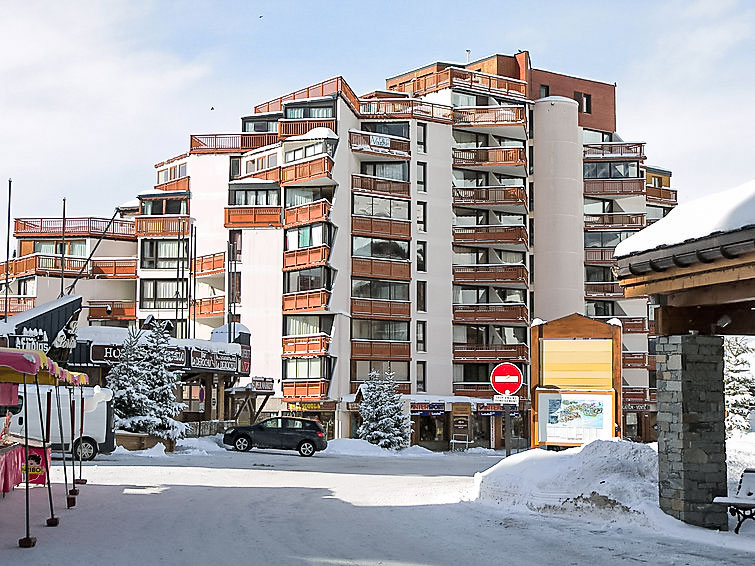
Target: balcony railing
x,y
49,265
491,352
86,227
210,264
614,187
615,221
602,256
489,156
489,116
288,128
630,324
634,360
473,389
181,184
615,150
253,217
380,185
660,195
603,290
405,108
336,85
491,313
375,308
490,196
314,389
308,257
306,171
17,304
504,235
229,143
307,213
381,227
113,268
381,268
488,274
305,346
454,77
212,306
380,350
162,226
379,143
112,310
402,387
306,301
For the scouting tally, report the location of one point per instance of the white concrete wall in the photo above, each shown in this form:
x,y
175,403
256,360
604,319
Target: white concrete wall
x,y
208,182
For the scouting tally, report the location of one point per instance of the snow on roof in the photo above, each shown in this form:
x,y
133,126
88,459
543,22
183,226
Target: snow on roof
x,y
724,211
251,181
112,335
614,322
557,99
134,203
316,134
16,319
538,321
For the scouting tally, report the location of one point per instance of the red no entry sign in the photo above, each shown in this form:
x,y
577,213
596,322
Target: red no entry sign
x,y
506,378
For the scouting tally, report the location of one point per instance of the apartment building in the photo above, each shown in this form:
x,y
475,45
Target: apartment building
x,y
415,230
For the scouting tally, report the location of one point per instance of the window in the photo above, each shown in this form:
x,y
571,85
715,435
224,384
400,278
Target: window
x,y
311,279
585,102
532,232
421,255
261,126
306,195
597,206
360,370
421,379
365,205
235,168
164,254
307,151
421,296
318,112
171,173
471,373
379,289
599,308
380,248
471,335
234,287
421,137
158,207
463,295
398,129
422,216
421,177
234,237
421,329
605,239
598,274
386,170
389,330
162,294
656,212
469,140
76,248
460,99
611,170
307,236
254,197
306,368
305,325
469,179
545,90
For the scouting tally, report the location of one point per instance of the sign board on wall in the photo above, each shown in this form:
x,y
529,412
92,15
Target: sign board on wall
x,y
111,354
428,409
217,361
574,418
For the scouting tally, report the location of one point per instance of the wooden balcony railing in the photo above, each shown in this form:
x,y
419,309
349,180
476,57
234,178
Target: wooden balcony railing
x,y
488,274
299,346
489,156
473,389
489,116
17,304
660,195
405,108
614,187
163,226
209,264
379,350
181,184
382,186
307,213
86,227
313,389
402,387
381,268
229,143
471,235
273,174
615,150
491,352
376,308
379,143
490,196
306,301
630,324
119,310
454,77
381,227
212,306
491,313
308,257
336,85
49,265
306,171
113,268
253,217
603,290
614,220
602,256
634,360
289,128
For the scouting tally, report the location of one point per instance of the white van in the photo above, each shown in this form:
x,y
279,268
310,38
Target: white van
x,y
99,425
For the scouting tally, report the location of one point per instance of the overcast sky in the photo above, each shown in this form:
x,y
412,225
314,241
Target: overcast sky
x,y
93,94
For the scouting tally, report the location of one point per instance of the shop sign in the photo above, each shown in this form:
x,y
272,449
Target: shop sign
x,y
246,359
111,354
490,410
352,407
428,409
261,384
506,399
637,407
312,406
217,361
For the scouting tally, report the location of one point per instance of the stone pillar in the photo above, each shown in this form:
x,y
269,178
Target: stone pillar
x,y
691,434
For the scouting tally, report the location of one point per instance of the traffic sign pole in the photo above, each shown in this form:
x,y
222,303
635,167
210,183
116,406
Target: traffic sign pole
x,y
507,429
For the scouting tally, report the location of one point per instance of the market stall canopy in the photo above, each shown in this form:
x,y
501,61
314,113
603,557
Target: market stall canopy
x,y
14,364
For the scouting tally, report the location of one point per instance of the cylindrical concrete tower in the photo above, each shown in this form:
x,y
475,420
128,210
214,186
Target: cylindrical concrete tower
x,y
559,210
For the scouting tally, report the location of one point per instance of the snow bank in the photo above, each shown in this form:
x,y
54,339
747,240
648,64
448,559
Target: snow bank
x,y
157,451
357,447
202,446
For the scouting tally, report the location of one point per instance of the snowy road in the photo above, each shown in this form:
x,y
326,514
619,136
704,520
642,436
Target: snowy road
x,y
268,508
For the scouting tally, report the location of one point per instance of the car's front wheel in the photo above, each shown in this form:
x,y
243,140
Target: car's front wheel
x,y
242,443
85,449
306,448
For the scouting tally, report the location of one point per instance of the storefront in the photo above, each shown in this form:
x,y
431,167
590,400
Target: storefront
x,y
640,411
429,425
322,411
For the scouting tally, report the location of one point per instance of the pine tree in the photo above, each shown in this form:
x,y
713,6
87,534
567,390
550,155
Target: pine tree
x,y
129,383
383,420
739,384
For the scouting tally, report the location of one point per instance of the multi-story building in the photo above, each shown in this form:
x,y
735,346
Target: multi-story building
x,y
415,230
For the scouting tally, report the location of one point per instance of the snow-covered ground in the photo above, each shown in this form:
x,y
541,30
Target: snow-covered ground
x,y
343,506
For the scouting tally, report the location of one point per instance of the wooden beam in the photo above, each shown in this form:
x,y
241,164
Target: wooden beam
x,y
675,272
737,292
708,319
636,286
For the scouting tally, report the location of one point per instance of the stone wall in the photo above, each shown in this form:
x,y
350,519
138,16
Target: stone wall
x,y
691,434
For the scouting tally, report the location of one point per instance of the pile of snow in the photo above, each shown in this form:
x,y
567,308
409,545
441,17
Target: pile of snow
x,y
357,447
202,446
157,451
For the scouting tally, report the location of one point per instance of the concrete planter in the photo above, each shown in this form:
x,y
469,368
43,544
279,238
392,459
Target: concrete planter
x,y
141,441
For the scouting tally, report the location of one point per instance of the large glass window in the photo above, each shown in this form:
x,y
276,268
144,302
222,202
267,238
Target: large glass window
x,y
305,195
319,111
596,206
380,248
254,197
386,170
365,205
311,279
162,294
361,369
469,140
599,308
157,207
306,368
398,129
379,289
469,179
304,325
307,151
471,373
598,274
611,169
391,330
595,239
163,254
308,236
463,295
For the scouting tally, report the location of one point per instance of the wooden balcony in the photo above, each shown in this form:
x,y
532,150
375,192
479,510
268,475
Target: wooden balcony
x,y
405,108
634,360
381,268
82,227
17,304
402,387
491,116
253,217
380,350
273,174
382,145
306,301
382,186
211,264
119,310
318,211
614,150
330,87
599,256
493,197
505,314
510,275
384,309
181,185
229,143
306,172
147,226
205,308
308,257
305,346
490,235
489,157
454,77
113,268
614,187
491,353
381,227
289,128
629,324
614,221
48,265
603,290
480,389
658,195
309,390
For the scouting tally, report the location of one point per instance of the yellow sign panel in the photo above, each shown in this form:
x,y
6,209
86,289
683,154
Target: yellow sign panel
x,y
580,364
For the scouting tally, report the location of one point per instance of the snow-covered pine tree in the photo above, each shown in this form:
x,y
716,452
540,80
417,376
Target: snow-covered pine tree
x,y
129,383
739,384
383,421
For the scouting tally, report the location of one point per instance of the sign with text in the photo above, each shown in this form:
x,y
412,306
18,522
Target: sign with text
x,y
506,399
428,409
111,354
216,361
506,378
571,418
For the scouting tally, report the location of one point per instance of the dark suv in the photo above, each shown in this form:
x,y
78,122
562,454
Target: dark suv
x,y
288,433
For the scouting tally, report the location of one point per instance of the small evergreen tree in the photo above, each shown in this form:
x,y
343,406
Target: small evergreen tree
x,y
383,421
739,384
129,383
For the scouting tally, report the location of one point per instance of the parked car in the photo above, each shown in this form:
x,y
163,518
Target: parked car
x,y
287,433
